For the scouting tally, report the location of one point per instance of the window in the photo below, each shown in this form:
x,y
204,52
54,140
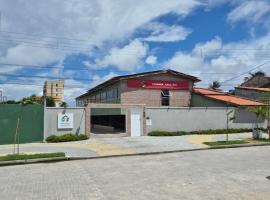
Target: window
x,y
117,93
165,98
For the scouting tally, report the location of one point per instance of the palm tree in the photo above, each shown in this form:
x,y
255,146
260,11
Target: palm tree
x,y
215,85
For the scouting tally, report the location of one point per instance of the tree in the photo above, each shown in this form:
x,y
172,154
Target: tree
x,y
266,109
19,118
215,85
257,74
50,102
63,104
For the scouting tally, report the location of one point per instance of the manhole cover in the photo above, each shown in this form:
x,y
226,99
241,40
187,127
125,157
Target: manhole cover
x,y
268,177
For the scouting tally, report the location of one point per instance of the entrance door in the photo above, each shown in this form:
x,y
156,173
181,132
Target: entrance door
x,y
135,122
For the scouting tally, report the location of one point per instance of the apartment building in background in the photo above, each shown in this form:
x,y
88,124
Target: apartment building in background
x,y
55,89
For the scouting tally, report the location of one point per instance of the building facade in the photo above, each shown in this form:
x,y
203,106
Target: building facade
x,y
157,88
257,94
259,80
54,89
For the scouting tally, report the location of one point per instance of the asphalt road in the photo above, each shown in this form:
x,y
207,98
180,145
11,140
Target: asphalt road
x,y
239,173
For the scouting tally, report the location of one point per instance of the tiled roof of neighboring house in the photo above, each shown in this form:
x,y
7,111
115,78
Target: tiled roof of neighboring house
x,y
207,91
255,88
117,78
227,98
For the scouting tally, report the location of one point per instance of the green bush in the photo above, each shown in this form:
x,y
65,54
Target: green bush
x,y
166,133
66,138
204,132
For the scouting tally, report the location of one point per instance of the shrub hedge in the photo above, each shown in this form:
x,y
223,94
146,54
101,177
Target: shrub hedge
x,y
204,132
166,133
66,138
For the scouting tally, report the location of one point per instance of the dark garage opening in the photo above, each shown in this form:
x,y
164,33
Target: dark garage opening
x,y
103,124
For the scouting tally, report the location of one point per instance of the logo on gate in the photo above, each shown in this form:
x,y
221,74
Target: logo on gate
x,y
65,118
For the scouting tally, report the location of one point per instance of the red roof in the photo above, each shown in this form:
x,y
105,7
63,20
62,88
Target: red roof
x,y
207,91
222,96
255,88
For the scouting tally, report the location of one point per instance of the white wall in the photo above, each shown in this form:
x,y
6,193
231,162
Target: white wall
x,y
194,119
50,121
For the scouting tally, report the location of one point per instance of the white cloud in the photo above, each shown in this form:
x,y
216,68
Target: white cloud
x,y
94,22
127,58
222,61
168,34
209,47
253,11
187,6
151,60
185,62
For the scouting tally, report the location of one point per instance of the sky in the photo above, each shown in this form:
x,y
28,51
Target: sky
x,y
87,42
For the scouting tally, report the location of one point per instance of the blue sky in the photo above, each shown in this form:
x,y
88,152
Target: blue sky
x,y
86,42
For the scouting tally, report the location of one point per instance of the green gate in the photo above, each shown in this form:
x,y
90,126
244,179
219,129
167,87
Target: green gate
x,y
31,123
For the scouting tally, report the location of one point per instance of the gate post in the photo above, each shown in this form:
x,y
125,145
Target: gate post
x,y
88,119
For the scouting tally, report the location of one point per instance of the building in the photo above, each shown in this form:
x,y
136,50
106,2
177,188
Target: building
x,y
259,80
159,100
55,89
252,92
255,87
202,97
156,88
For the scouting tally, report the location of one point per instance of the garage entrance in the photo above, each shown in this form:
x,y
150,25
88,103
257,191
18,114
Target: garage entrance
x,y
115,119
108,121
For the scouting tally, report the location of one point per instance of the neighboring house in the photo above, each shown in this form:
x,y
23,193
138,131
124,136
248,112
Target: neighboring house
x,y
251,92
156,88
55,89
257,81
209,98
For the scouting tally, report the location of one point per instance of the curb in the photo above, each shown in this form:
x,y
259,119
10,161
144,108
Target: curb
x,y
59,159
173,151
32,161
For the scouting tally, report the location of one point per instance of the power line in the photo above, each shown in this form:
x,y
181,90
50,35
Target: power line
x,y
41,85
46,77
256,67
44,36
83,69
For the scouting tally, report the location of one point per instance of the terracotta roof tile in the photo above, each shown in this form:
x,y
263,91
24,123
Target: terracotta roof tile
x,y
222,96
207,91
235,100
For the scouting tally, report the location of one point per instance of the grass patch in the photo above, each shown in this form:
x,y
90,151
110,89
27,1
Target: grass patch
x,y
203,132
262,140
66,138
230,142
166,133
31,156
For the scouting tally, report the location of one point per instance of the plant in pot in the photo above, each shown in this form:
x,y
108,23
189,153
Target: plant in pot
x,y
257,132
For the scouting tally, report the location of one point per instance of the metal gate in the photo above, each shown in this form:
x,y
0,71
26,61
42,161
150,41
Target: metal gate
x,y
31,123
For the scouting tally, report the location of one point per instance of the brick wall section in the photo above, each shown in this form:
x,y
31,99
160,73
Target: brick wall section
x,y
152,97
250,94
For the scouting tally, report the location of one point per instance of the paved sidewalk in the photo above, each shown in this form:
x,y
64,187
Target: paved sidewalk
x,y
95,147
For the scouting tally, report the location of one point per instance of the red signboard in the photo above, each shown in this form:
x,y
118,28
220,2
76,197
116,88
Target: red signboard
x,y
158,84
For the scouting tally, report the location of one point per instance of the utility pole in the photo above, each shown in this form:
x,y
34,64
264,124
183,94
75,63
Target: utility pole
x,y
0,20
4,99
